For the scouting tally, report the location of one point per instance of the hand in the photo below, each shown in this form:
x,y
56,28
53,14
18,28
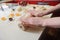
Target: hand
x,y
40,22
32,22
39,13
36,13
42,13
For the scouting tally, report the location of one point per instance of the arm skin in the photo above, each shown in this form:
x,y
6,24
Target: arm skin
x,y
37,21
52,22
42,13
51,10
49,22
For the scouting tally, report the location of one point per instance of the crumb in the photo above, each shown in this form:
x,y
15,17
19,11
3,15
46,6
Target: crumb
x,y
10,19
34,7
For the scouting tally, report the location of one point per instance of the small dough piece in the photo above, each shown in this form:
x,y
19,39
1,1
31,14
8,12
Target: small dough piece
x,y
19,9
11,15
3,18
22,27
17,14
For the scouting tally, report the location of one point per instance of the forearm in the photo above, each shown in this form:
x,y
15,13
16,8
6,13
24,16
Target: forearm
x,y
53,9
52,22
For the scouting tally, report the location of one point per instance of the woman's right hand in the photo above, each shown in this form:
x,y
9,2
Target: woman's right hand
x,y
36,13
40,13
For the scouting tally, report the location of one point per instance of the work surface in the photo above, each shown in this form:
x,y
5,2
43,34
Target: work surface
x,y
9,30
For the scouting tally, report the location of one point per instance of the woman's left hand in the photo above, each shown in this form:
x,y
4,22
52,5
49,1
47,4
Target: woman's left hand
x,y
32,21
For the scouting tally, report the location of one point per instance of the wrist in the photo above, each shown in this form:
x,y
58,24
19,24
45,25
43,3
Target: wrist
x,y
44,24
58,5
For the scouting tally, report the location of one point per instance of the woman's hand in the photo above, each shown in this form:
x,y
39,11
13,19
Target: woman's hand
x,y
40,13
32,22
40,22
35,13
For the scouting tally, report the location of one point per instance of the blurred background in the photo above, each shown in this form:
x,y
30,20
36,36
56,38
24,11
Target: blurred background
x,y
51,2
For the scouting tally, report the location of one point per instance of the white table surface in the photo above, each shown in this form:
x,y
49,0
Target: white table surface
x,y
11,31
